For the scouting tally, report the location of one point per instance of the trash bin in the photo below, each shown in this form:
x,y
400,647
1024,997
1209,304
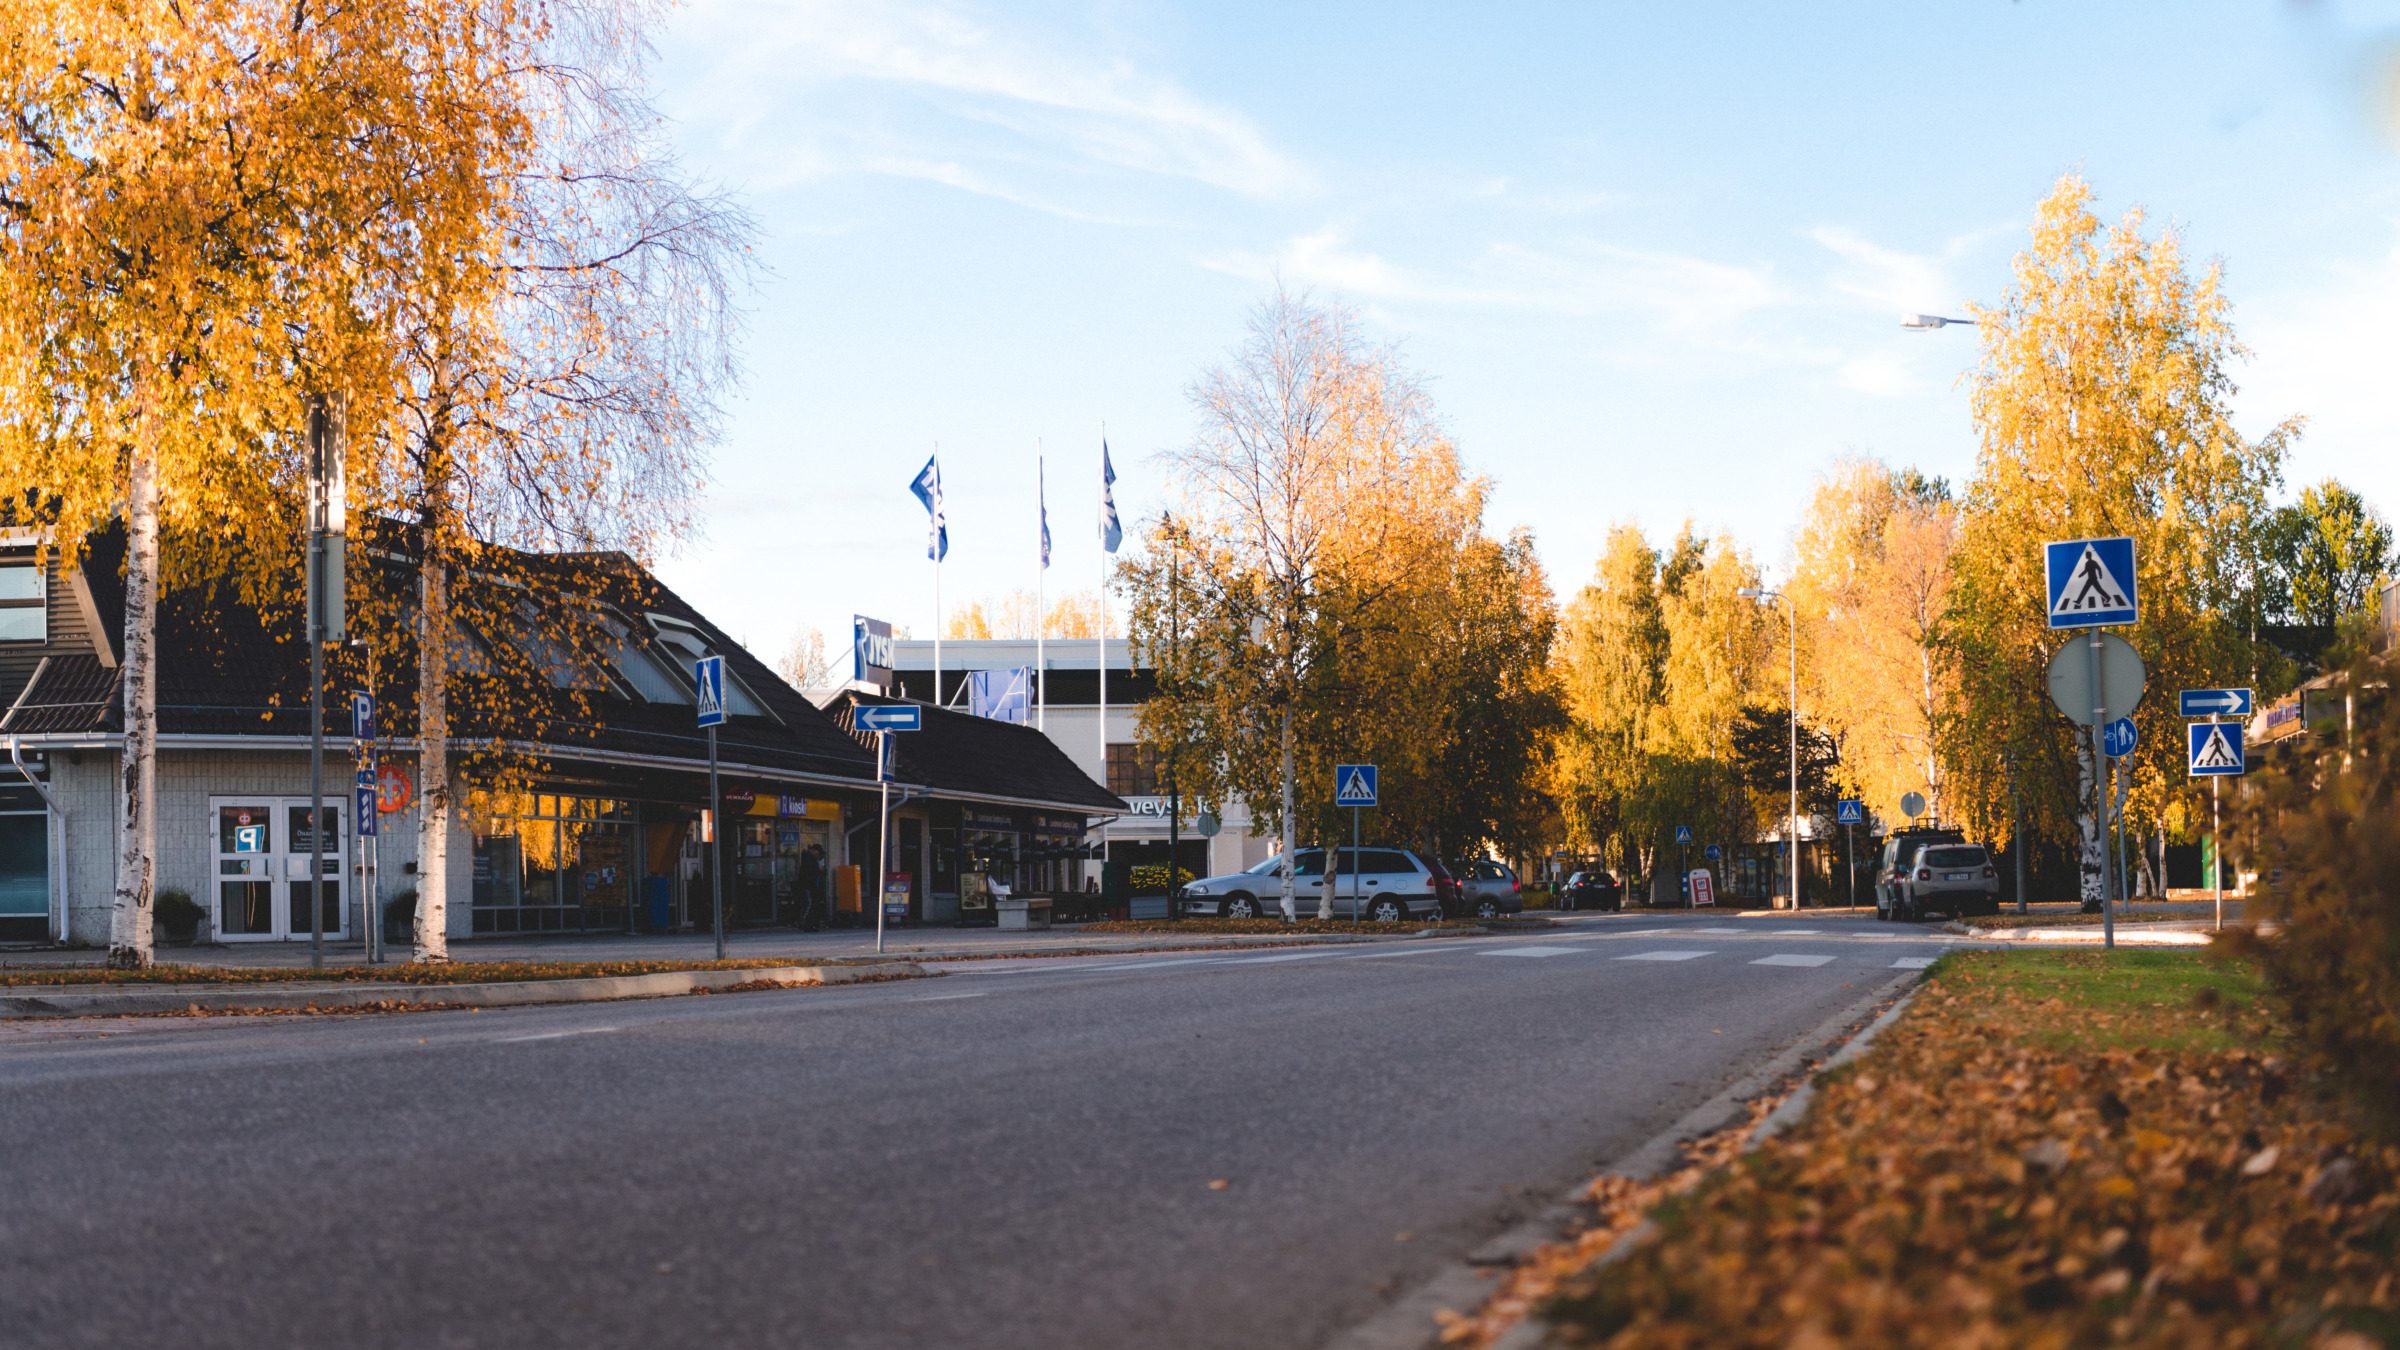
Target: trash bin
x,y
658,896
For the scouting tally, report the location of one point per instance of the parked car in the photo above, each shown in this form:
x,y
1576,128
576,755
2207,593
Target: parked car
x,y
1595,889
1489,888
1449,887
1392,884
1952,879
1900,858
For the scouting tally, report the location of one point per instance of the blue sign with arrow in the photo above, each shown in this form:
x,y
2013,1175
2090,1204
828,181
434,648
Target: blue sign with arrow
x,y
889,717
708,679
2091,583
1849,811
1354,785
2215,749
1712,853
2118,738
2215,702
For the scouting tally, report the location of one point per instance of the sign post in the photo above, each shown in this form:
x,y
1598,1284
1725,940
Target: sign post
x,y
708,677
366,824
1847,812
1683,862
328,509
2092,585
883,719
1356,786
2214,750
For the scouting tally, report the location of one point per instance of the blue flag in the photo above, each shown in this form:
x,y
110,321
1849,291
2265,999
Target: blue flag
x,y
1112,533
928,487
1041,496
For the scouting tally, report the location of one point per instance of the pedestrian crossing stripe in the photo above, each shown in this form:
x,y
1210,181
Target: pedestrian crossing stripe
x,y
2091,585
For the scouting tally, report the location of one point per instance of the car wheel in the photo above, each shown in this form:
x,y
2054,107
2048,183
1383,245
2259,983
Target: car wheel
x,y
1240,907
1387,909
1487,909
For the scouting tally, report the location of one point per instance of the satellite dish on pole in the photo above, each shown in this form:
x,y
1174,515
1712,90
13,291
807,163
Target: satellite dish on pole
x,y
1912,804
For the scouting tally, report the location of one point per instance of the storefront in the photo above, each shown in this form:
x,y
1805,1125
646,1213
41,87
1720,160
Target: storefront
x,y
768,837
24,865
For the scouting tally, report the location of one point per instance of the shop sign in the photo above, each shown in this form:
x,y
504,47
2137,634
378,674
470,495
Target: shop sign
x,y
896,886
982,820
741,797
871,651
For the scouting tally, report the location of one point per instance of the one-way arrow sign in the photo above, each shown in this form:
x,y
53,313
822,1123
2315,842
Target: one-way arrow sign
x,y
2215,702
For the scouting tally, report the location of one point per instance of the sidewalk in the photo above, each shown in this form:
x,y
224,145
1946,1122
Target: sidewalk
x,y
841,944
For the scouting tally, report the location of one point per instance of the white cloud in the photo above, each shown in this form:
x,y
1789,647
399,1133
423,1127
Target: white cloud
x,y
968,93
1579,278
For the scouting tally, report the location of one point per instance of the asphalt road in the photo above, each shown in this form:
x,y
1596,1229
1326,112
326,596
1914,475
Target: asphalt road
x,y
1016,1154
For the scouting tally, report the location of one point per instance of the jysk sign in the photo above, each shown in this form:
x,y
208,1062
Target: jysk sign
x,y
871,651
708,675
2091,583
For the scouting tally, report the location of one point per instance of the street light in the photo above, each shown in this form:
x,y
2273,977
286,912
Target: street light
x,y
1792,622
1926,323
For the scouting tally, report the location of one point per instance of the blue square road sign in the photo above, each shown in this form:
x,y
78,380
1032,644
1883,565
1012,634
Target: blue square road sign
x,y
708,679
1355,785
2214,749
2091,583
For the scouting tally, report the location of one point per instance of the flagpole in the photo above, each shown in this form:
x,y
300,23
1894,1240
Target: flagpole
x,y
1103,633
1041,608
937,599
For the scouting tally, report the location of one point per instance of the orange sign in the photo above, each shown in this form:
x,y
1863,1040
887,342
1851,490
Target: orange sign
x,y
393,789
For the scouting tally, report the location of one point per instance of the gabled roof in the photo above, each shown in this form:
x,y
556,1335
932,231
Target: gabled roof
x,y
961,753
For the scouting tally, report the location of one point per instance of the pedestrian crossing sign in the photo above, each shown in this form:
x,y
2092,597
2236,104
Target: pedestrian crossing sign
x,y
2091,583
1848,811
2215,749
1683,834
1354,785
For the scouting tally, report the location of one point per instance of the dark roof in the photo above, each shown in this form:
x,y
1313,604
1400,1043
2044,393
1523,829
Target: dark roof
x,y
72,692
960,752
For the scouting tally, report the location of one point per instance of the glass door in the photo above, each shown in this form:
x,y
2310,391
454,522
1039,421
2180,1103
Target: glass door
x,y
262,869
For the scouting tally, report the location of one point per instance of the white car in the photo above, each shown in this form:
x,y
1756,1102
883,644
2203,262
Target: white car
x,y
1390,884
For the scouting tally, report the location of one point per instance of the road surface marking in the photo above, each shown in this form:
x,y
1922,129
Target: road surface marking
x,y
1796,932
945,998
557,1035
1152,965
1912,963
1287,956
1735,932
1664,956
1534,951
1810,961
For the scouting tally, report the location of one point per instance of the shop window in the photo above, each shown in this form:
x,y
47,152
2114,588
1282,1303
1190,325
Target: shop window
x,y
1133,770
562,864
24,871
24,608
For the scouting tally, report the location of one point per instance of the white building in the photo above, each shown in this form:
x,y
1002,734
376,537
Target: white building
x,y
1102,742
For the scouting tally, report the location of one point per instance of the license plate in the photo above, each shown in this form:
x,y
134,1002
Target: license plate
x,y
1960,876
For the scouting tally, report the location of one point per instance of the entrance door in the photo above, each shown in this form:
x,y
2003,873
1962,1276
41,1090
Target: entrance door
x,y
262,869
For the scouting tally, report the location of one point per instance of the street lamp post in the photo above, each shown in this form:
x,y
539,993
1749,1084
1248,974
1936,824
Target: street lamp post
x,y
1792,624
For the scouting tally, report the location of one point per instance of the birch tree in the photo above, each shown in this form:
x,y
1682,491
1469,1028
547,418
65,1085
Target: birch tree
x,y
2102,403
201,211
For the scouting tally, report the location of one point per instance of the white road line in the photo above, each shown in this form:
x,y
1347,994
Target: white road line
x,y
1664,956
1287,956
1912,963
1153,965
1534,951
1786,960
1796,932
556,1035
1429,949
1735,932
945,998
1651,932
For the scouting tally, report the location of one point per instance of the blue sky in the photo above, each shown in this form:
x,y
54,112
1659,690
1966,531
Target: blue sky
x,y
1650,258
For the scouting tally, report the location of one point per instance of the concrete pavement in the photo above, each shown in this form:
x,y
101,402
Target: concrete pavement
x,y
1018,1153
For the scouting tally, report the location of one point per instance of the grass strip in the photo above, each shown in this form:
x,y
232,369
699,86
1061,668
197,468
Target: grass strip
x,y
2049,1149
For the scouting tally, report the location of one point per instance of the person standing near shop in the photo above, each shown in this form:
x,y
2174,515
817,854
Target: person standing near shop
x,y
812,887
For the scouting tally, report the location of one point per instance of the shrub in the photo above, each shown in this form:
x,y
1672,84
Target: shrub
x,y
2323,824
1151,878
177,913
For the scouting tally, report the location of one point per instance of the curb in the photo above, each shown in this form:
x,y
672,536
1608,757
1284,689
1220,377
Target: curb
x,y
1408,1322
2132,935
71,1001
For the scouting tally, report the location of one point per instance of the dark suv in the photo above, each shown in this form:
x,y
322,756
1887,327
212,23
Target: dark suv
x,y
1899,857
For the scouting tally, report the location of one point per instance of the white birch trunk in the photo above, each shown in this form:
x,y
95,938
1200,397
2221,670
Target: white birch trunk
x,y
432,936
2092,835
129,946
